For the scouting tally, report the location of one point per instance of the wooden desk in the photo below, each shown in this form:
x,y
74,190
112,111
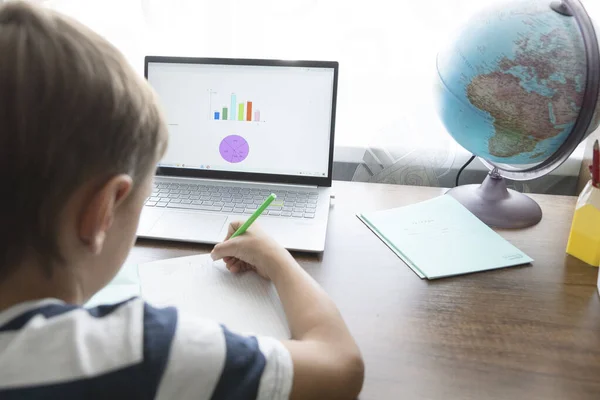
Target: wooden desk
x,y
520,333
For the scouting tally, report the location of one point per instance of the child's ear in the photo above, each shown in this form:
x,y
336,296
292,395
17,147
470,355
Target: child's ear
x,y
98,214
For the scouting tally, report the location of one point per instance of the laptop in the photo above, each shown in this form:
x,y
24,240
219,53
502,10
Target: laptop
x,y
239,130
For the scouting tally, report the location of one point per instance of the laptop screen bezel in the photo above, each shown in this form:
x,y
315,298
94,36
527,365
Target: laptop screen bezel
x,y
252,176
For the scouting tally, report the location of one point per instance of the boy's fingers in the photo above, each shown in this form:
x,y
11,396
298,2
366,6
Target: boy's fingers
x,y
231,262
234,226
236,266
221,251
228,248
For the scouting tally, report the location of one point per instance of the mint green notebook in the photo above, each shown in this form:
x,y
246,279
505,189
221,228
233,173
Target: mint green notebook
x,y
440,237
125,285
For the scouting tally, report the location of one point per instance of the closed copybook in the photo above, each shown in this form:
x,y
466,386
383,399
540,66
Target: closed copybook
x,y
440,237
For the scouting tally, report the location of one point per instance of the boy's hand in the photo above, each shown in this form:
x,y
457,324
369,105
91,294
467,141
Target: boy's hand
x,y
254,250
326,361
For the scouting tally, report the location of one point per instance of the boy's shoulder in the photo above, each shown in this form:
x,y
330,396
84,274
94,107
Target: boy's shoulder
x,y
64,347
130,349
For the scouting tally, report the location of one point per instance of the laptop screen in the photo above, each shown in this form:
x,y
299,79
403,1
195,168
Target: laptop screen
x,y
256,119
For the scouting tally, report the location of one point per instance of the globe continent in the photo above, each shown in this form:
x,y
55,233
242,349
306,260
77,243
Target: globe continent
x,y
511,85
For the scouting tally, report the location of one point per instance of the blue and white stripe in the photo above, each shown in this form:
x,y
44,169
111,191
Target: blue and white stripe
x,y
49,349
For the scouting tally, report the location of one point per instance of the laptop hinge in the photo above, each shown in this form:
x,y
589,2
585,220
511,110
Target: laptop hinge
x,y
179,178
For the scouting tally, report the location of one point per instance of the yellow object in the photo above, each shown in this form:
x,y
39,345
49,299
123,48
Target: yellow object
x,y
584,240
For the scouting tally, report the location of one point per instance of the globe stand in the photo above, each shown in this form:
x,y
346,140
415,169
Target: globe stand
x,y
496,205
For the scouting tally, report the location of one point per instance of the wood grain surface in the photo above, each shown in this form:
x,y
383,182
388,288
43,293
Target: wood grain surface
x,y
530,332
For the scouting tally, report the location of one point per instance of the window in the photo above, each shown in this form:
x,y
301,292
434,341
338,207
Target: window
x,y
386,50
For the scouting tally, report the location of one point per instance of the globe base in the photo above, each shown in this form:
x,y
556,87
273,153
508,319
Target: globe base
x,y
496,205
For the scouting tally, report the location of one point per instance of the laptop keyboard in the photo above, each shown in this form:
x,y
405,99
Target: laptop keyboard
x,y
232,200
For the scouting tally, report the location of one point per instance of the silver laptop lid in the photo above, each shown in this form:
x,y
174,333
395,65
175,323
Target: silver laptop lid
x,y
252,120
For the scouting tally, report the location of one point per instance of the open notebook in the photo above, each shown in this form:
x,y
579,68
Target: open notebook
x,y
245,303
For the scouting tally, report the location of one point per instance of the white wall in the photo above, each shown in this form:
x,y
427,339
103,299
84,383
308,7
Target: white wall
x,y
386,50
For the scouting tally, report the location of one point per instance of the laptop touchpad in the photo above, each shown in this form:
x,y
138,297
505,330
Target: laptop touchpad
x,y
190,226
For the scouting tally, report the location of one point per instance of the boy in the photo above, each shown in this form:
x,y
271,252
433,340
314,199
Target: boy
x,y
80,135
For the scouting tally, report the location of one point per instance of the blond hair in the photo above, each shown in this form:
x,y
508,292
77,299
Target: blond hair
x,y
71,110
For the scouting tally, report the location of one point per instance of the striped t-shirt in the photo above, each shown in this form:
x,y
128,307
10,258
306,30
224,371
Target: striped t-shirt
x,y
131,350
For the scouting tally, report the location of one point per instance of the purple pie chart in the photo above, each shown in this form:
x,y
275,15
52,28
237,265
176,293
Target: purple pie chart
x,y
234,149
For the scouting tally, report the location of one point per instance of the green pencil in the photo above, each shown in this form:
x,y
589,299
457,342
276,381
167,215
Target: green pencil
x,y
242,229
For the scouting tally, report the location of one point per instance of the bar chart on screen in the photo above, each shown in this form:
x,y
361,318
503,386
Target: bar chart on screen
x,y
235,109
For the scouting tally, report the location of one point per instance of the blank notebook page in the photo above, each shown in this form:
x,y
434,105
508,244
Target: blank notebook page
x,y
245,303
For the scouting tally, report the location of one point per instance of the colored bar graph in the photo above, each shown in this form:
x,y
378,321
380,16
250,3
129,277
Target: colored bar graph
x,y
241,112
233,102
242,109
249,111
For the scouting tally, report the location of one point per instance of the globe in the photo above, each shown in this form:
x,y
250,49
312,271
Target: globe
x,y
518,87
